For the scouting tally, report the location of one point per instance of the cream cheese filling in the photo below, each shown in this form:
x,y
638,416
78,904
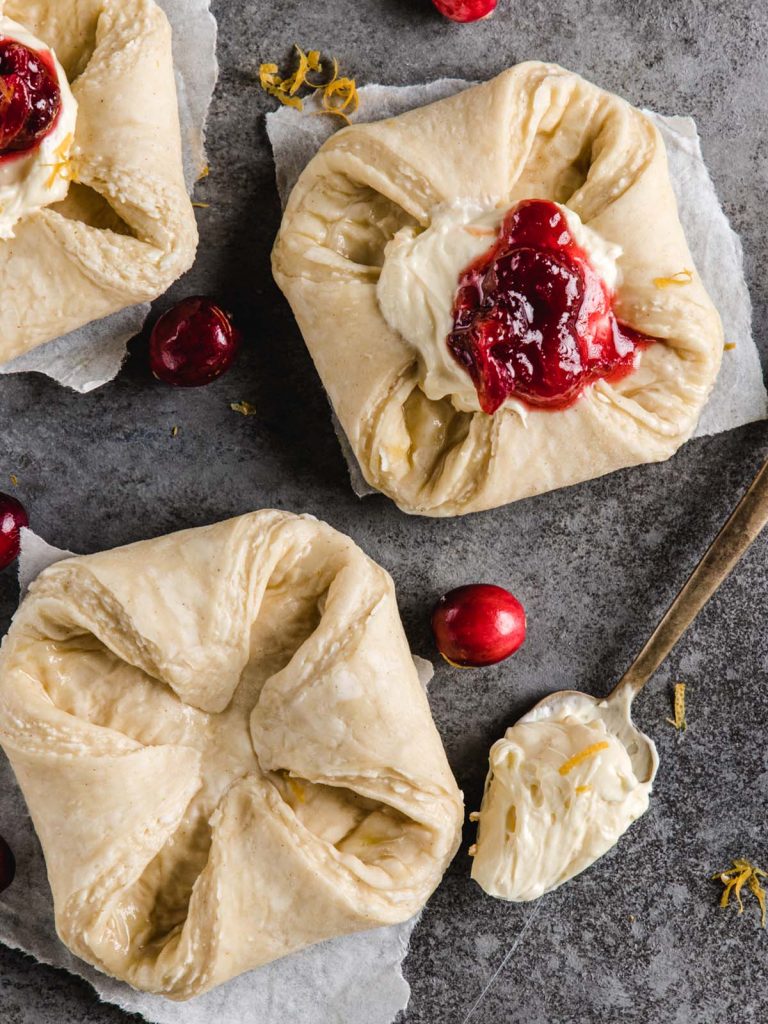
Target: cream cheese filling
x,y
31,180
560,793
420,277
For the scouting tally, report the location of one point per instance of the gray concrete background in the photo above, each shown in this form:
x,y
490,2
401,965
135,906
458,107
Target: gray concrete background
x,y
639,937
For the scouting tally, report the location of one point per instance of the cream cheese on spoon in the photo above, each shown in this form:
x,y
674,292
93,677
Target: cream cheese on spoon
x,y
560,792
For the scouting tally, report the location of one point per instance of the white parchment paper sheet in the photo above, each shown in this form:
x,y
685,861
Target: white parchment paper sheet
x,y
356,979
92,355
739,395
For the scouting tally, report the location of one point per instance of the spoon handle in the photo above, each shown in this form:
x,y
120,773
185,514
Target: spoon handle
x,y
745,523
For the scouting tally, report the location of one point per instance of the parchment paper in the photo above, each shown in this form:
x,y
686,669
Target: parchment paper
x,y
356,979
92,355
739,395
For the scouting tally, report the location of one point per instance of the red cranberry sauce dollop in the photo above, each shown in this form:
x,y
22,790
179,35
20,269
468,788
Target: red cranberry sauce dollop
x,y
30,97
532,318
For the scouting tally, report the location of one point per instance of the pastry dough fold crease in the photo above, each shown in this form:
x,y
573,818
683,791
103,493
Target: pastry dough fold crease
x,y
225,750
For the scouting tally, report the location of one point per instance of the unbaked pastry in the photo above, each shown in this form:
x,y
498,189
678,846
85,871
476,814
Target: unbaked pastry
x,y
126,229
377,191
225,749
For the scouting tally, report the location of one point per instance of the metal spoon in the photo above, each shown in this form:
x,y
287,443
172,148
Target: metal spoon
x,y
745,523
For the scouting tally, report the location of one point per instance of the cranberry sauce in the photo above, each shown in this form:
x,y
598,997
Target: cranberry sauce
x,y
532,318
30,97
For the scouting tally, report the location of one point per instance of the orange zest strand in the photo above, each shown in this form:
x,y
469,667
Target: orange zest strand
x,y
63,165
307,62
735,878
271,82
330,78
679,721
582,755
6,92
684,276
338,95
244,408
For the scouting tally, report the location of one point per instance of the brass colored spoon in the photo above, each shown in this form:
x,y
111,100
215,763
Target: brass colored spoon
x,y
745,523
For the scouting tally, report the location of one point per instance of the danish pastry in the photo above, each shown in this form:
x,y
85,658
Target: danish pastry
x,y
95,213
225,750
497,292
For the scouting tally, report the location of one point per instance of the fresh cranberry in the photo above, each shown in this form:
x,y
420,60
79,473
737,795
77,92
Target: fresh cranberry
x,y
7,865
12,517
192,344
465,10
532,318
477,625
30,97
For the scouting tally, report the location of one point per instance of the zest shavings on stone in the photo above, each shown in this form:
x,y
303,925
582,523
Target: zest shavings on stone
x,y
735,878
582,755
679,721
338,95
684,276
244,408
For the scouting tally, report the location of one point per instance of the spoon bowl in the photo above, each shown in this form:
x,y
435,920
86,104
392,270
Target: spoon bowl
x,y
615,710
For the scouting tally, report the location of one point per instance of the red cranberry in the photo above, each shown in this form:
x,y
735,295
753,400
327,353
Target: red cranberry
x,y
465,10
30,97
12,517
7,865
192,344
477,625
533,319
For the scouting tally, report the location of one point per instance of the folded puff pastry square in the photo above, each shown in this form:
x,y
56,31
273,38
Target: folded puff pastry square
x,y
225,749
535,132
126,230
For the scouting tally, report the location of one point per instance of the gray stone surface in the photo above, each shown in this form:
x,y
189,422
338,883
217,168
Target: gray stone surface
x,y
639,937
